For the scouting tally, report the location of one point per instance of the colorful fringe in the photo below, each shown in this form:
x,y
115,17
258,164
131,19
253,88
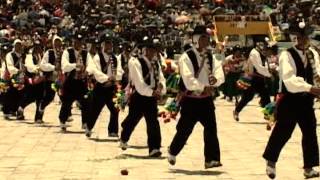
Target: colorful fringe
x,y
18,81
173,83
269,114
244,82
120,98
170,110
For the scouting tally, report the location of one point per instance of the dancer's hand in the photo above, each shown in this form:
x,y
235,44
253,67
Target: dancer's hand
x,y
315,91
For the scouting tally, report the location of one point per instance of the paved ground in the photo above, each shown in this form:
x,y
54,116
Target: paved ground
x,y
28,151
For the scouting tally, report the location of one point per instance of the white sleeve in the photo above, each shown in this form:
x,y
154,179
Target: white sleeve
x,y
11,68
187,74
287,73
135,73
66,66
90,65
45,65
163,81
120,71
32,68
218,72
98,74
255,59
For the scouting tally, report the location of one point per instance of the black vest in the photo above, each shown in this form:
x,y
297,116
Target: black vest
x,y
124,64
15,60
103,62
305,73
84,54
72,59
52,57
193,58
145,71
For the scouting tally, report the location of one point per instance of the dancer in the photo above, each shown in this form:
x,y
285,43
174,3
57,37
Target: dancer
x,y
149,84
201,73
300,80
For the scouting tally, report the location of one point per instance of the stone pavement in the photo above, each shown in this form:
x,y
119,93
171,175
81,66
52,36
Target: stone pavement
x,y
28,151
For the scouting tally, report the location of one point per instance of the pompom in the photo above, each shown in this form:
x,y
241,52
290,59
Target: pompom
x,y
302,25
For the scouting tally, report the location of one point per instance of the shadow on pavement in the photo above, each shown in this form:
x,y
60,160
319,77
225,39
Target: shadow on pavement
x,y
74,132
256,123
138,147
104,140
196,172
131,156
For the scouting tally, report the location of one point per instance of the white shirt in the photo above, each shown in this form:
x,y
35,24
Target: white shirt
x,y
137,79
45,65
90,64
288,71
10,64
198,84
255,60
66,66
100,76
31,67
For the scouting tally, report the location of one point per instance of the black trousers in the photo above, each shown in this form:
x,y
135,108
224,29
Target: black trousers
x,y
104,96
294,110
192,111
74,90
142,106
2,98
11,100
258,85
42,94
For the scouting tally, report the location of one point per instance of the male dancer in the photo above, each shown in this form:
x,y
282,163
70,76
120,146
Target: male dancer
x,y
149,84
300,83
258,62
107,72
200,73
14,66
74,88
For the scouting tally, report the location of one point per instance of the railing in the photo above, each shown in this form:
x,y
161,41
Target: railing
x,y
247,18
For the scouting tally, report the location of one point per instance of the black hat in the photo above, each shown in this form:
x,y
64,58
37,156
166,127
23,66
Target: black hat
x,y
6,46
94,40
149,42
300,26
107,36
236,48
125,46
78,36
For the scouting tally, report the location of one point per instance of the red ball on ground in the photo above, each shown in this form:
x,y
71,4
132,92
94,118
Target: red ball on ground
x,y
124,172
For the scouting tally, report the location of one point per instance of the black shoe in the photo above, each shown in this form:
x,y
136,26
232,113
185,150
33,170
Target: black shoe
x,y
20,117
113,135
123,145
7,117
310,173
88,132
155,153
236,115
271,170
39,121
63,127
212,164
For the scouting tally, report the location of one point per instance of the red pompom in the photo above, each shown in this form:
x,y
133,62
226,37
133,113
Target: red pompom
x,y
124,172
